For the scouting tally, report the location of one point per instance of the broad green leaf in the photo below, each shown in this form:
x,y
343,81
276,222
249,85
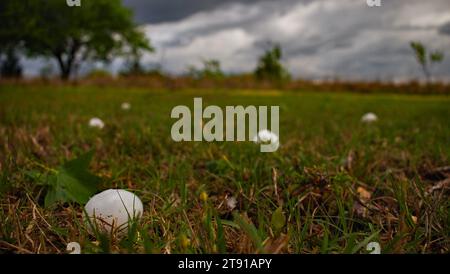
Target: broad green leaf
x,y
72,182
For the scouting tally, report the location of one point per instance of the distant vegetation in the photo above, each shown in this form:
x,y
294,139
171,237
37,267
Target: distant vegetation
x,y
211,69
425,59
270,67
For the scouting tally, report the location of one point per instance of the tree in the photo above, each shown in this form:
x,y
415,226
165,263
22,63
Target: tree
x,y
269,66
98,30
12,26
426,60
9,64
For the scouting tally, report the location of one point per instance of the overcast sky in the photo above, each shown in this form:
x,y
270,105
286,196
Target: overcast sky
x,y
320,39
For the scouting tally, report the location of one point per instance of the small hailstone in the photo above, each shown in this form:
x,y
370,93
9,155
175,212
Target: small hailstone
x,y
125,106
111,210
265,136
231,202
73,248
96,122
369,118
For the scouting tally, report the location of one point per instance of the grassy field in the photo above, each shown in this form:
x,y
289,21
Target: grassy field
x,y
333,186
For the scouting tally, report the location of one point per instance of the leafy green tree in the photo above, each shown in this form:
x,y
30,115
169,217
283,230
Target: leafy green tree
x,y
424,59
270,67
98,30
9,64
12,26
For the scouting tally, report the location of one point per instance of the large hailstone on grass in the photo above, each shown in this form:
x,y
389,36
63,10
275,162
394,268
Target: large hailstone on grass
x,y
112,210
369,118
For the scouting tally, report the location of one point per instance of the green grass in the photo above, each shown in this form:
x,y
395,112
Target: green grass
x,y
326,161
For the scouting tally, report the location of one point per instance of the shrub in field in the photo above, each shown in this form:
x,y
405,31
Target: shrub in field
x,y
211,70
270,67
425,60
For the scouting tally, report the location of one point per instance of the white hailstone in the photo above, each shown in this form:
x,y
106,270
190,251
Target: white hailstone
x,y
231,202
73,248
369,118
125,106
96,122
265,136
111,211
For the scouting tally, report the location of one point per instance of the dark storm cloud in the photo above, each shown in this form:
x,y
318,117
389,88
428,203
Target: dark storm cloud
x,y
320,38
445,29
157,11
